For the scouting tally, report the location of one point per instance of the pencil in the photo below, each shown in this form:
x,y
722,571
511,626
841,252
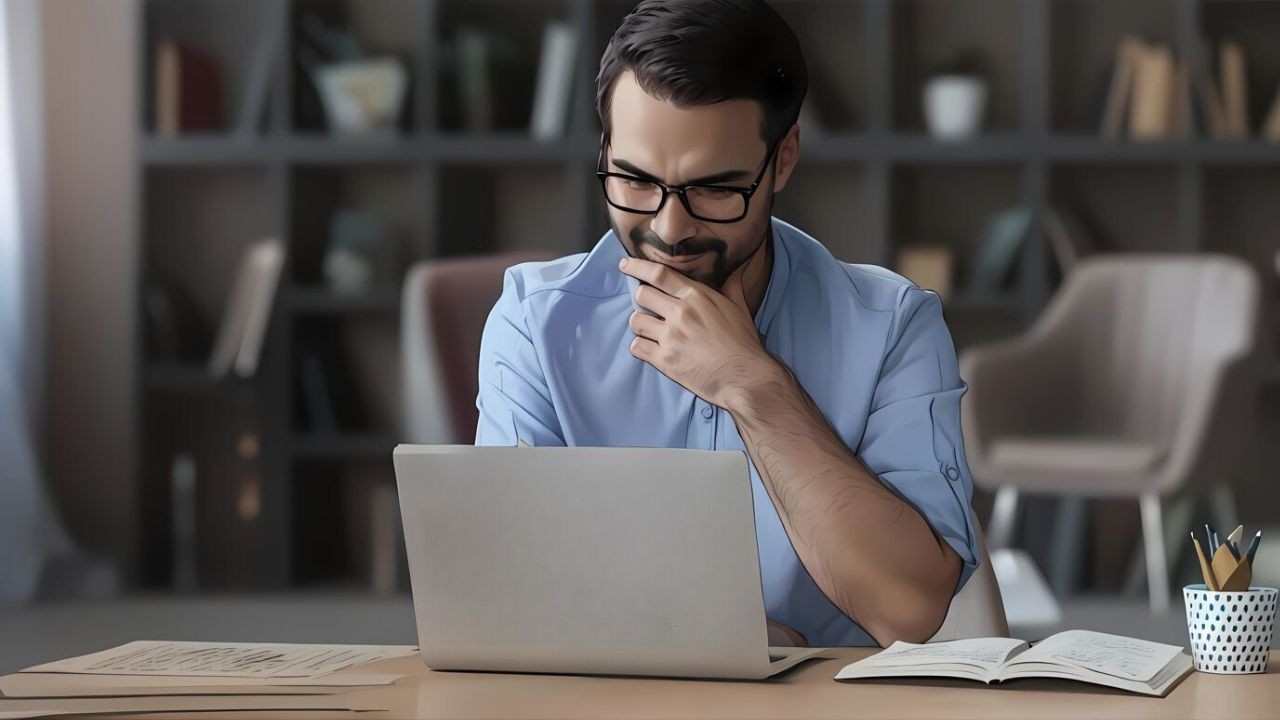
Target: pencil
x,y
1253,548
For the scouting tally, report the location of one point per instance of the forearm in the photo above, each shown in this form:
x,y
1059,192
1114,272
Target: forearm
x,y
868,550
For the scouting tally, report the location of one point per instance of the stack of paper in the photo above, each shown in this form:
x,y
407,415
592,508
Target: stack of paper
x,y
151,676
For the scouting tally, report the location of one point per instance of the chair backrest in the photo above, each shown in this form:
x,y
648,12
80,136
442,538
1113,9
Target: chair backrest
x,y
1144,340
977,610
444,308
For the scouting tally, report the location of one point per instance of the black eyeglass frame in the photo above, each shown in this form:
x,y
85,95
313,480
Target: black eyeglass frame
x,y
680,190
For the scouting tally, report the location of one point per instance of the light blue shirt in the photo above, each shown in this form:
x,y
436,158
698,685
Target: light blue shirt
x,y
870,348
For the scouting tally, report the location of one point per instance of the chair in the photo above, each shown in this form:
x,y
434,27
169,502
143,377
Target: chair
x,y
445,305
977,610
1136,381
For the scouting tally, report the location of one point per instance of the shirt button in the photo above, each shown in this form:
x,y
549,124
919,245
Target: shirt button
x,y
953,473
707,412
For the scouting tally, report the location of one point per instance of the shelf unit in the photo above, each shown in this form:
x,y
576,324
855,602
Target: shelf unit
x,y
869,182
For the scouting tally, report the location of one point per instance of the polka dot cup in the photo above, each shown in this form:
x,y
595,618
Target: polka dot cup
x,y
1230,632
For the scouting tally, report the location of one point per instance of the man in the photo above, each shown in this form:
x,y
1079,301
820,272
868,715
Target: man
x,y
700,321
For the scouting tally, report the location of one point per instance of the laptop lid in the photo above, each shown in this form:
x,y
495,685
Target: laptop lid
x,y
583,560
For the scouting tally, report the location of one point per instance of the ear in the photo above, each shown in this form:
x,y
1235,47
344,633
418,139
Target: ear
x,y
787,156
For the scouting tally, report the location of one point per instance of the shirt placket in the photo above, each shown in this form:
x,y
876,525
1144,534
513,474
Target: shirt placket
x,y
702,425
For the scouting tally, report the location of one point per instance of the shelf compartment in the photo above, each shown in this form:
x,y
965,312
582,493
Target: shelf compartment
x,y
380,28
197,225
519,207
950,206
809,196
1254,25
346,372
1084,39
347,524
233,36
510,34
931,34
373,211
1240,218
1123,208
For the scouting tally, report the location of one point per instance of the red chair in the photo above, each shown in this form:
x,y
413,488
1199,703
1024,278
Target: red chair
x,y
445,305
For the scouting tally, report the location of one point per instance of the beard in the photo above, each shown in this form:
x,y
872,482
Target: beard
x,y
722,266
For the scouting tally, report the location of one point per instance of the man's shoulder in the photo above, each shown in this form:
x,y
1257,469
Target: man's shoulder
x,y
871,287
580,274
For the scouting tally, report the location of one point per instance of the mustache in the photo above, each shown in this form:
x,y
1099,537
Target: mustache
x,y
691,246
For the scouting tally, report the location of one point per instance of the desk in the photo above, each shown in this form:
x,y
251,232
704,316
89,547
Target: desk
x,y
806,692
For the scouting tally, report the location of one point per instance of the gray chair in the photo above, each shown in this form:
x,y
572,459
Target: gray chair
x,y
1137,381
977,610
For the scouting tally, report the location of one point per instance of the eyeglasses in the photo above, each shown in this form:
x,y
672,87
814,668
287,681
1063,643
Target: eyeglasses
x,y
712,203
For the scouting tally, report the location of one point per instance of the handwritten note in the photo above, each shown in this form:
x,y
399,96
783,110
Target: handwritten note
x,y
245,660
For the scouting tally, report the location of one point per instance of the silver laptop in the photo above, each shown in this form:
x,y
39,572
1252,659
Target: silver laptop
x,y
626,561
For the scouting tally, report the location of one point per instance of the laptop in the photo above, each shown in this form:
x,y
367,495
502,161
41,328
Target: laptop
x,y
614,561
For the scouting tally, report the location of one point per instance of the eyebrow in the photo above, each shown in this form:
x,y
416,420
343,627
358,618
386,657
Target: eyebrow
x,y
704,180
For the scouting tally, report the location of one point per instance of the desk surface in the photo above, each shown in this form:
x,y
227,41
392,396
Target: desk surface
x,y
805,692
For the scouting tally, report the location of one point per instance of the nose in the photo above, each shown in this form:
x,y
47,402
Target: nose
x,y
673,223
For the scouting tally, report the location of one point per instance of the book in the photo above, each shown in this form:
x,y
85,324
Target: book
x,y
1122,79
1152,97
1271,126
265,56
928,266
1002,237
1068,238
475,90
188,90
1235,92
1181,111
244,323
1131,664
552,98
1213,113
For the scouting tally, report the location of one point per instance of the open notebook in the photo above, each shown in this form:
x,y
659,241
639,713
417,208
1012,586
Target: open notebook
x,y
1093,657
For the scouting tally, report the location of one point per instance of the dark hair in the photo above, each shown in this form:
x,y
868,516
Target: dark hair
x,y
699,52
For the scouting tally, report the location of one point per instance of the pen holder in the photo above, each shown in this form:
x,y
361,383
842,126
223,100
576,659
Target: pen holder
x,y
1230,632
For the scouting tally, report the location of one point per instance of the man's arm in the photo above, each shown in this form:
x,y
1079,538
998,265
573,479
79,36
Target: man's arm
x,y
868,547
871,552
865,525
514,400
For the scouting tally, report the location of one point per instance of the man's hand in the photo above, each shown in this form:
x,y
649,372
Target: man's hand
x,y
703,339
782,636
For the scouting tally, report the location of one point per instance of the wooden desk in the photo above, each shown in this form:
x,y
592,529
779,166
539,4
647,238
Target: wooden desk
x,y
805,692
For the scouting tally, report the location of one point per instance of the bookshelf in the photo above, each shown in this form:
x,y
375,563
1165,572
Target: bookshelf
x,y
870,182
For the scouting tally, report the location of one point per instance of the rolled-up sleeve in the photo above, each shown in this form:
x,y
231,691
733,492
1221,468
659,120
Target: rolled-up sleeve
x,y
913,439
514,401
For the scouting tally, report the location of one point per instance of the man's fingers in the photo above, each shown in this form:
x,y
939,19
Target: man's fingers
x,y
643,348
653,299
645,326
658,275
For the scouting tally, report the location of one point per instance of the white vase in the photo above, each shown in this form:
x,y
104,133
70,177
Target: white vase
x,y
954,106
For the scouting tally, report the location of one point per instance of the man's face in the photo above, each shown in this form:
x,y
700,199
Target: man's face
x,y
678,146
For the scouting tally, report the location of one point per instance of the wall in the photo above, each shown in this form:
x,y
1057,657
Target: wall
x,y
89,65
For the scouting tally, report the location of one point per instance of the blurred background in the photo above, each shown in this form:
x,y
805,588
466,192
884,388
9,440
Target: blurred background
x,y
209,209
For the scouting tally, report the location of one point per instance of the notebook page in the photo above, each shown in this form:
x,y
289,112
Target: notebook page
x,y
1114,655
988,653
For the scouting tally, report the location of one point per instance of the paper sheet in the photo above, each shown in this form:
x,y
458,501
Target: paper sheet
x,y
1114,655
12,709
232,660
32,684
